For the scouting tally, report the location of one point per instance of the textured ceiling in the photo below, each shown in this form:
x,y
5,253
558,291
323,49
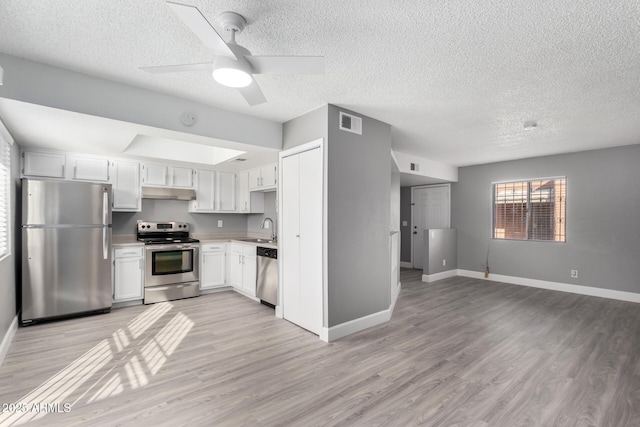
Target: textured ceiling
x,y
455,79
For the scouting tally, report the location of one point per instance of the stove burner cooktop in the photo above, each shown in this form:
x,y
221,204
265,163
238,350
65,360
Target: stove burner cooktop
x,y
158,233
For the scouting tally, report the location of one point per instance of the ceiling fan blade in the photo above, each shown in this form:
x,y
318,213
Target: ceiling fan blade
x,y
286,64
195,20
253,94
178,68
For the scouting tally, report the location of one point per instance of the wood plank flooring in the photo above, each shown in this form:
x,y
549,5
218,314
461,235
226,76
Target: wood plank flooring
x,y
457,352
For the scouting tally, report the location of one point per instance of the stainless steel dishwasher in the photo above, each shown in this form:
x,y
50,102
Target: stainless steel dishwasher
x,y
267,280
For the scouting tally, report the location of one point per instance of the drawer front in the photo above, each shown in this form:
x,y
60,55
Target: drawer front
x,y
213,247
249,250
133,251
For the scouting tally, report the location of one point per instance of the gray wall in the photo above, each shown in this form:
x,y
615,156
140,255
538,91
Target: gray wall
x,y
9,267
359,189
440,244
177,210
254,221
305,128
603,221
405,231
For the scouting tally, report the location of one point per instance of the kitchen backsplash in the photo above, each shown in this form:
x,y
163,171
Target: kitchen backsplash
x,y
176,210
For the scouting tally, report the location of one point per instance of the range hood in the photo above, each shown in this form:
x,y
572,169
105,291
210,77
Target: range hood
x,y
161,193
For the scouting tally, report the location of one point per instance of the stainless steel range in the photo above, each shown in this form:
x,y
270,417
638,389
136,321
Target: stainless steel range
x,y
171,261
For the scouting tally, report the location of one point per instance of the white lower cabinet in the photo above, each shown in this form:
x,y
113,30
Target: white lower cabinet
x,y
242,266
128,273
212,265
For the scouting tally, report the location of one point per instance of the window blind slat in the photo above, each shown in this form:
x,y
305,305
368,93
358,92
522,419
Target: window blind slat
x,y
530,210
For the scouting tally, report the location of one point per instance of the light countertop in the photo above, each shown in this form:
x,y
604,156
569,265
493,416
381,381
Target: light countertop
x,y
130,239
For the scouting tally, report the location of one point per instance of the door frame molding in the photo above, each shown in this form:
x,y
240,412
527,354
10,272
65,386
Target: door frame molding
x,y
418,187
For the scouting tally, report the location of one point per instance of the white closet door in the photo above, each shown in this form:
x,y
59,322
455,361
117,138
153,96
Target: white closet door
x,y
311,240
290,239
302,225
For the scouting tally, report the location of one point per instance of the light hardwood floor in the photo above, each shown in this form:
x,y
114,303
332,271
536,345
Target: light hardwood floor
x,y
456,352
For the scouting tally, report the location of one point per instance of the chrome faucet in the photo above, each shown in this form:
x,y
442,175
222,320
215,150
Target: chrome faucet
x,y
273,229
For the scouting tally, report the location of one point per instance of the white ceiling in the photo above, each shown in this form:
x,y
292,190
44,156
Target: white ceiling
x,y
455,79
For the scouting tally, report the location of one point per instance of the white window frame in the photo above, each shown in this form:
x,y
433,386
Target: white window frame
x,y
528,180
6,142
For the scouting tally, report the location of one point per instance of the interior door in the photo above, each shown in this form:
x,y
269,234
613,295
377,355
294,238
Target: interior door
x,y
430,210
302,228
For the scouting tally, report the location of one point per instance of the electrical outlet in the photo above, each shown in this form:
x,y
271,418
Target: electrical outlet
x,y
574,274
444,262
219,223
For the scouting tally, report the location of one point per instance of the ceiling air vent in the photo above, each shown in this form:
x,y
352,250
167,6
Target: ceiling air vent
x,y
350,123
415,167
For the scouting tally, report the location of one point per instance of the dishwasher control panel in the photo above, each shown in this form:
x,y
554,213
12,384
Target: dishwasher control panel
x,y
267,252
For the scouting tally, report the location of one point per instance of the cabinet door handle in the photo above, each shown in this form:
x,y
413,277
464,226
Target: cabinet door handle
x,y
140,263
64,175
75,172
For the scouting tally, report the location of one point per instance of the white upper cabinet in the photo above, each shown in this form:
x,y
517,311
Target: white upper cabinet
x,y
205,189
89,169
263,178
43,164
167,176
181,177
125,178
215,192
155,175
225,194
270,175
242,193
247,201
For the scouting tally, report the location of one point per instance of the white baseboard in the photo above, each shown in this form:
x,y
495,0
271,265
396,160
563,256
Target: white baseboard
x,y
8,338
439,276
351,327
406,264
555,286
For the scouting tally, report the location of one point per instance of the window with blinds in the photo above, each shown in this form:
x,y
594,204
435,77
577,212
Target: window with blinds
x,y
530,210
5,197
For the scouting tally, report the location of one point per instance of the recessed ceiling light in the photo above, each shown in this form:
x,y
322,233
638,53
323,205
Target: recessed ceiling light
x,y
530,124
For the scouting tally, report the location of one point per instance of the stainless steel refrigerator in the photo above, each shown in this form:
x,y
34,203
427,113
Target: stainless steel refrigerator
x,y
66,249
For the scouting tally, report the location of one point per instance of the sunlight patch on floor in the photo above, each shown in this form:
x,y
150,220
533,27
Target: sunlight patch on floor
x,y
109,367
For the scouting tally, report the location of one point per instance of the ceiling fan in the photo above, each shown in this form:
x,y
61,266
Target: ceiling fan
x,y
233,65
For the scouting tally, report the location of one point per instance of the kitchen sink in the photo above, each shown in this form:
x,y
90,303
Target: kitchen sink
x,y
258,240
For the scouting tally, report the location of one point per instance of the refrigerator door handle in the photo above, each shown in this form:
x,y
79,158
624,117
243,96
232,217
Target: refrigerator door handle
x,y
105,244
105,223
105,207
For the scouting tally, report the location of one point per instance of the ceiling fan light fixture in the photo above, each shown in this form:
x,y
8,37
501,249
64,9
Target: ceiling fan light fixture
x,y
231,72
232,77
